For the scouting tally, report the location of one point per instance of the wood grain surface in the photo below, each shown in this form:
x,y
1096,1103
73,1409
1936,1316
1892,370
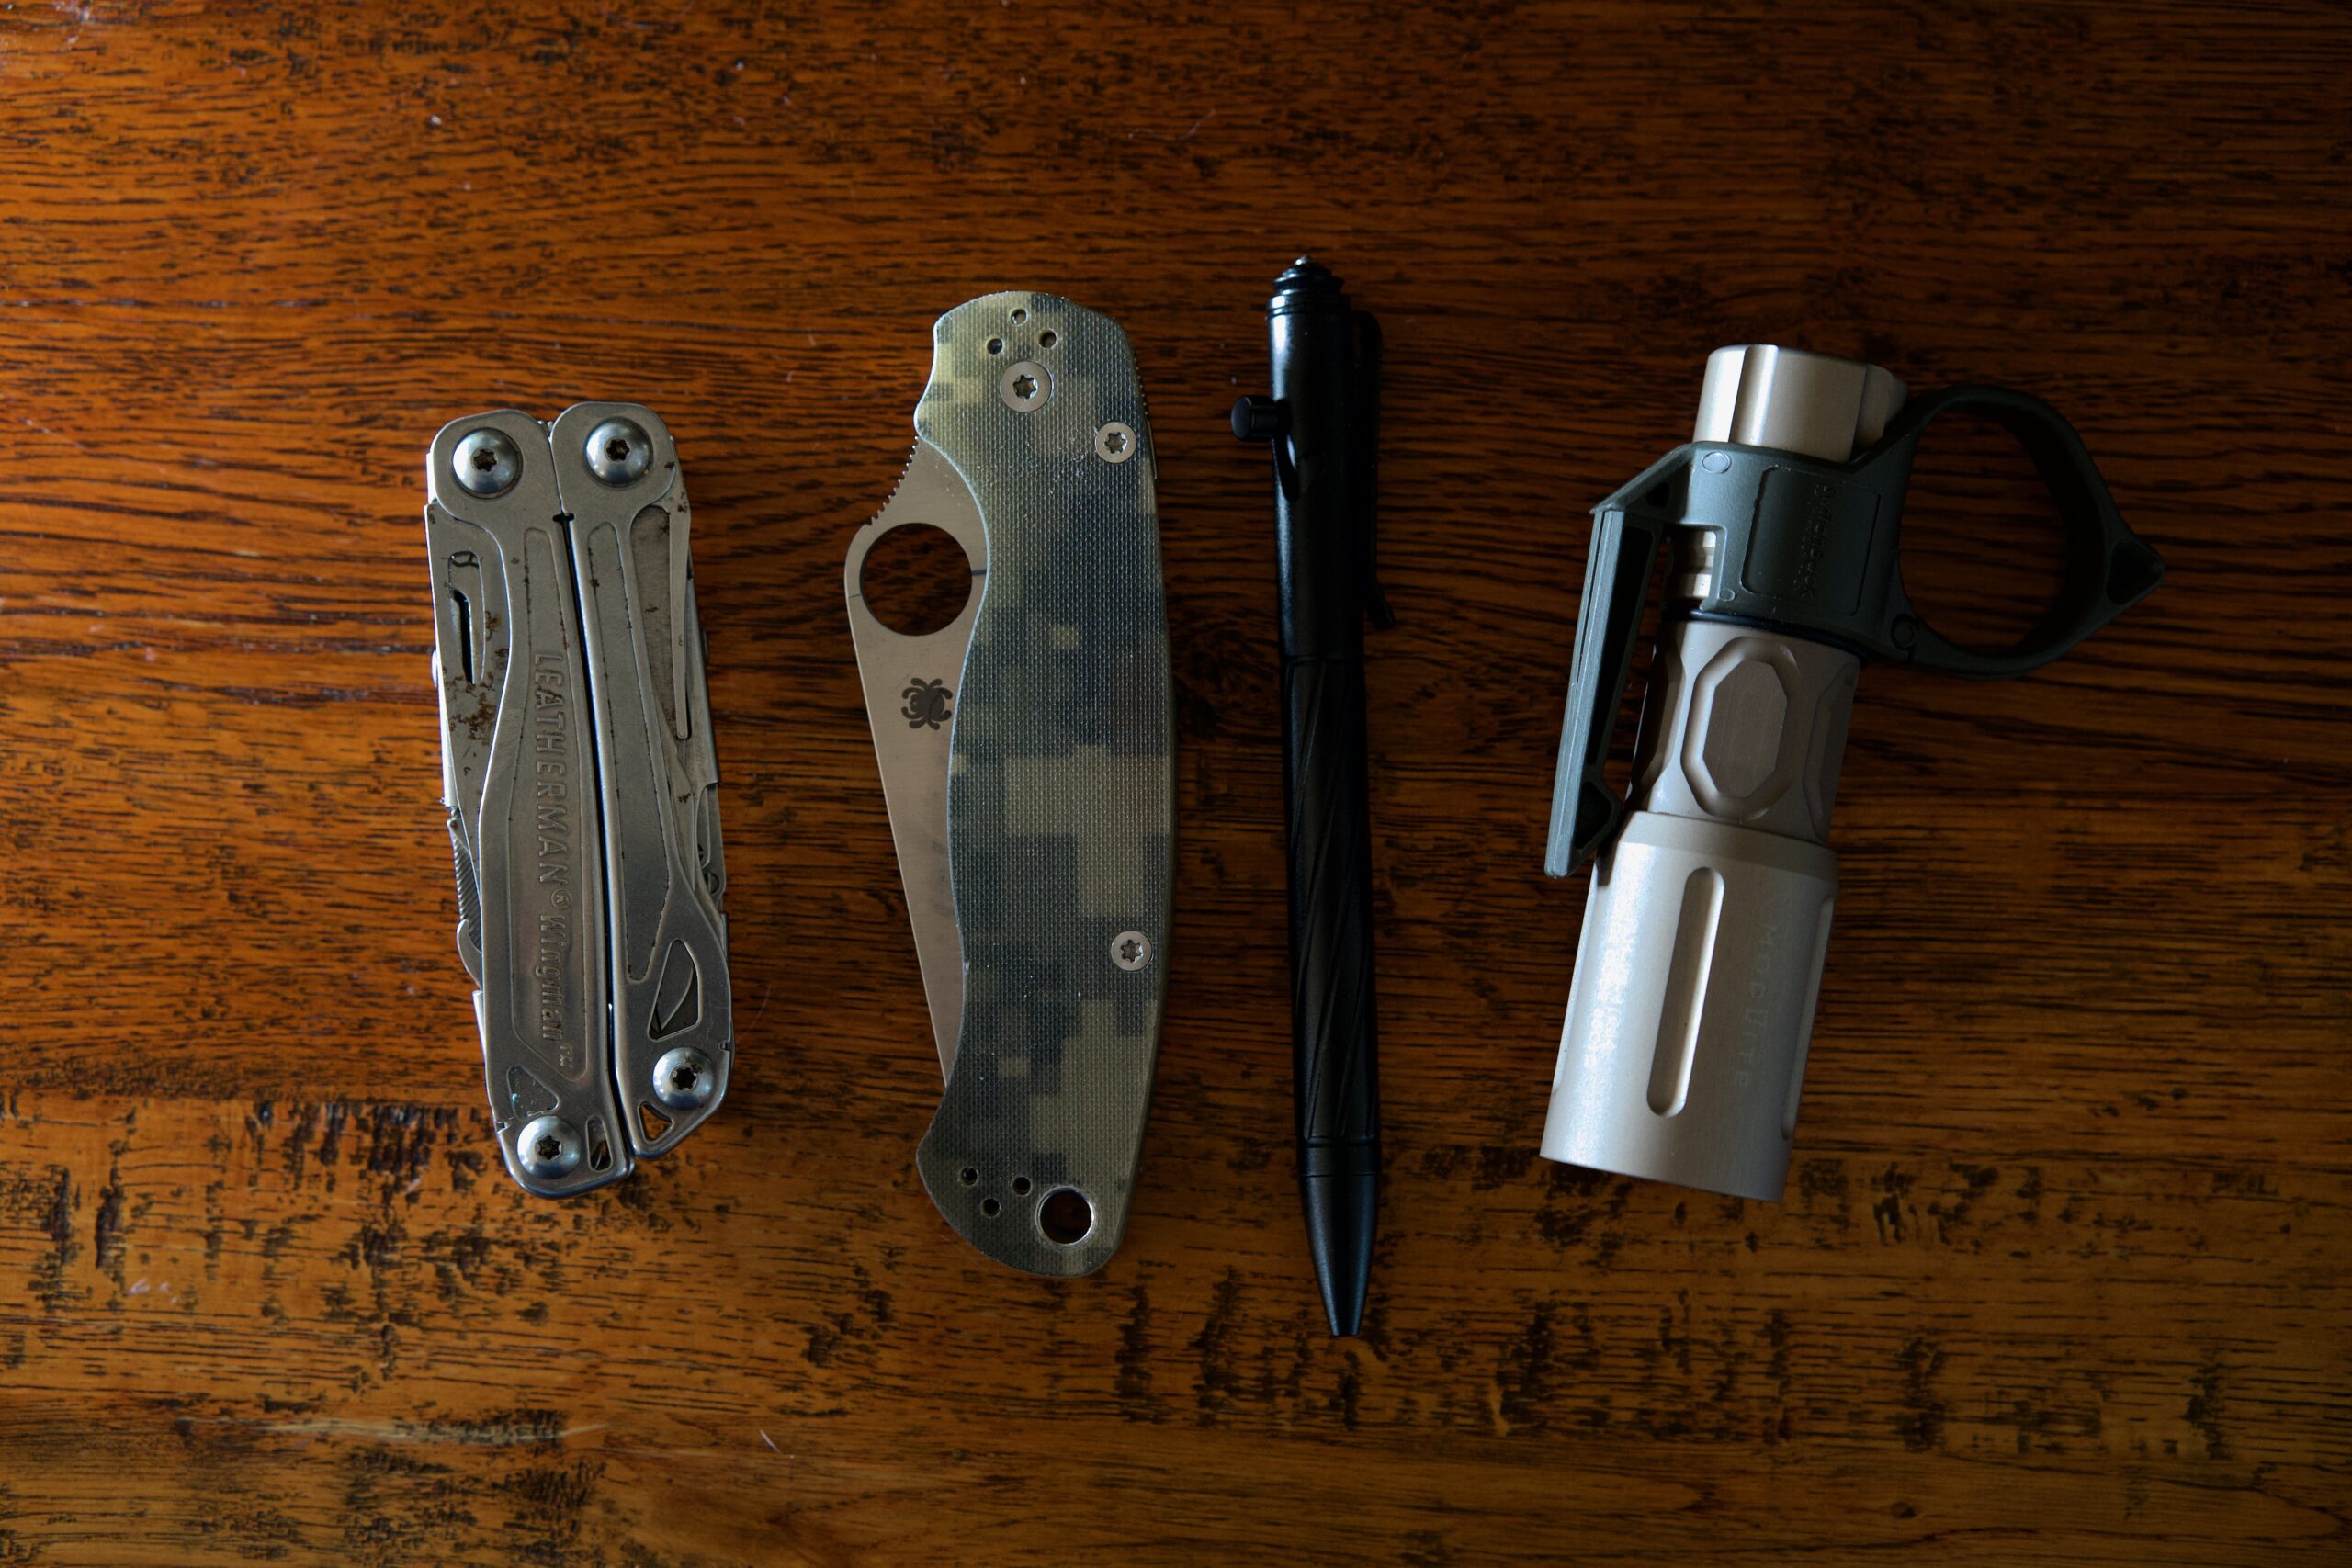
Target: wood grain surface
x,y
2061,1277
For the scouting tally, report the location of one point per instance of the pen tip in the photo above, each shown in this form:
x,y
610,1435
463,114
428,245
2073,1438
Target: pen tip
x,y
1341,1213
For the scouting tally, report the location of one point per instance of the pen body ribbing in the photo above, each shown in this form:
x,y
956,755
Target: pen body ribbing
x,y
1333,1027
1322,527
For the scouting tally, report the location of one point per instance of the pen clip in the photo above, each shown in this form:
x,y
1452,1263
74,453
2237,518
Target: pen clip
x,y
1363,398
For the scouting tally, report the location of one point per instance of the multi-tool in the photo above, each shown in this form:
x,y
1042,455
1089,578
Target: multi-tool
x,y
1027,756
1692,1004
581,785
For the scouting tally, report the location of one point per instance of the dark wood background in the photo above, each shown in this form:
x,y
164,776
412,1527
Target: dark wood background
x,y
2061,1274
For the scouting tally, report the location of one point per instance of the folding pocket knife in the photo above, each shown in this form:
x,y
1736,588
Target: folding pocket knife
x,y
1027,759
582,786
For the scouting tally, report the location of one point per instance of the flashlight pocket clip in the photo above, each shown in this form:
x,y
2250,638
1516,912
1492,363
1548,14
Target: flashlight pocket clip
x,y
1809,547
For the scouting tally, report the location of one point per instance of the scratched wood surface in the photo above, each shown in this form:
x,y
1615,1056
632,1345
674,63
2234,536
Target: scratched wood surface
x,y
2061,1277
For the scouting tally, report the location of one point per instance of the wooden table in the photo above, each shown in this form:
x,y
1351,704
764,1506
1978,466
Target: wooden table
x,y
2060,1274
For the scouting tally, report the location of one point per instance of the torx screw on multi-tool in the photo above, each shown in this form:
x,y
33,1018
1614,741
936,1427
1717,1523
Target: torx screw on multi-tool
x,y
487,463
683,1079
548,1147
618,452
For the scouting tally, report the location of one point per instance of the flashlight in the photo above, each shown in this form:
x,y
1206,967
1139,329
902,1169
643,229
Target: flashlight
x,y
1692,1006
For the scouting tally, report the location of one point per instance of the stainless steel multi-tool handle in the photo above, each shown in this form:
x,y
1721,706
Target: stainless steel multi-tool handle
x,y
581,785
1027,758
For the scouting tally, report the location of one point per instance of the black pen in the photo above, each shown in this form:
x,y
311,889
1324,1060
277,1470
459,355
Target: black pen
x,y
1322,422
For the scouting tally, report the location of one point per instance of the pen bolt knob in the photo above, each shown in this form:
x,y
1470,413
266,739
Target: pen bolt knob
x,y
1261,419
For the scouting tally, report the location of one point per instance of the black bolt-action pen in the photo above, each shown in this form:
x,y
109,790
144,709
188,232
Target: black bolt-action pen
x,y
1322,422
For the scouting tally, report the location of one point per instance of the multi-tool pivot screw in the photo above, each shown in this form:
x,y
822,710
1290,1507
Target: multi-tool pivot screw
x,y
487,462
1023,386
548,1147
1131,949
683,1079
1114,443
619,451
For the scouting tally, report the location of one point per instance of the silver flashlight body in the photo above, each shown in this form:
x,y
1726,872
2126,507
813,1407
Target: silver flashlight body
x,y
1708,923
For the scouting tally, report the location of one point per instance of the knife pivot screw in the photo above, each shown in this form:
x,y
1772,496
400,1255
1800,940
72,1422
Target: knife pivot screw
x,y
1114,443
1131,949
1025,385
548,1147
487,462
683,1079
619,451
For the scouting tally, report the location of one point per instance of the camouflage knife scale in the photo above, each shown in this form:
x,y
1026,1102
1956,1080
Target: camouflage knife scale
x,y
581,785
1027,761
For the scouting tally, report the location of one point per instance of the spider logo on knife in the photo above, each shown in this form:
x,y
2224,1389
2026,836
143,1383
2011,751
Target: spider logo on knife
x,y
927,704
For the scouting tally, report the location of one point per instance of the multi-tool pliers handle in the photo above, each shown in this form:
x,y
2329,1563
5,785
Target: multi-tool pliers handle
x,y
581,785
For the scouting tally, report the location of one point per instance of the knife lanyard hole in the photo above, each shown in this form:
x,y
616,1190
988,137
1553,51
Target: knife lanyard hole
x,y
916,579
1065,1217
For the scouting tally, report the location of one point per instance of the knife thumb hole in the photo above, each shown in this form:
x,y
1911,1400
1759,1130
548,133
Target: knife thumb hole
x,y
916,579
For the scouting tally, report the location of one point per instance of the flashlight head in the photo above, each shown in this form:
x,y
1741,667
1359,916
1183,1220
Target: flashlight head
x,y
1791,401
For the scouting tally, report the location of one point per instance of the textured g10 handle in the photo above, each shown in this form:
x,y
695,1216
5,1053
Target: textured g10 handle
x,y
1060,795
